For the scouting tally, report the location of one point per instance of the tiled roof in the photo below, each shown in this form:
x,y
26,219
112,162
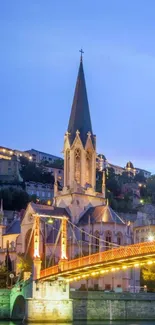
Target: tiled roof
x,y
14,228
100,214
49,210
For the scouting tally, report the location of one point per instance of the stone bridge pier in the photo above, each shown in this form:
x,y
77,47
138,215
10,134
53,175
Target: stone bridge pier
x,y
50,302
37,301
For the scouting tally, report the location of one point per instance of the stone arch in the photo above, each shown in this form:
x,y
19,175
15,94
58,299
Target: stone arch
x,y
108,239
18,310
119,238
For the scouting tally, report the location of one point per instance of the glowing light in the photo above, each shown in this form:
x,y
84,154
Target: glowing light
x,y
4,150
102,271
48,202
136,265
30,157
124,267
50,220
113,269
11,152
150,238
149,262
141,201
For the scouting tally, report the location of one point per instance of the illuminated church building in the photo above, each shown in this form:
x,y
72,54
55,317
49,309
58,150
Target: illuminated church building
x,y
100,227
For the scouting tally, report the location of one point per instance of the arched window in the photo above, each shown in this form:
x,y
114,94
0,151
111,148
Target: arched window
x,y
88,167
67,166
119,238
77,165
97,241
108,239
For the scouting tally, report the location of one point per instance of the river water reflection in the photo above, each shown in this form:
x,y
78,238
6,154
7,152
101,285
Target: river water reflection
x,y
136,322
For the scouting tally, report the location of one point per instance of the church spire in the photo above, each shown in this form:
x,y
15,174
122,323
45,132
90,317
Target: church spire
x,y
80,116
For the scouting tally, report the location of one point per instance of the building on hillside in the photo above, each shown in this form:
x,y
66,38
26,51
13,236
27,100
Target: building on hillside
x,y
39,156
133,190
56,172
146,173
9,169
43,192
144,226
92,225
102,163
6,153
117,169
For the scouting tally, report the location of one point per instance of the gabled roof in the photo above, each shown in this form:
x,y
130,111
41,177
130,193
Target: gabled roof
x,y
99,214
49,210
80,116
14,228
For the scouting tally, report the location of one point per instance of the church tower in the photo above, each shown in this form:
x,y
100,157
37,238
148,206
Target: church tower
x,y
80,142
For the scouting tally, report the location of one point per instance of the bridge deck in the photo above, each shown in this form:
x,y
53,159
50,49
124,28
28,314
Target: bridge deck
x,y
122,257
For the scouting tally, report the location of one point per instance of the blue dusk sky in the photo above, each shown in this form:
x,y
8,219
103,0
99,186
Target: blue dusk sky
x,y
39,60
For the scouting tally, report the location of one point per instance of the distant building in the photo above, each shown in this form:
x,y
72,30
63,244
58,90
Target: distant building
x,y
44,192
9,169
7,153
133,190
144,226
102,163
117,169
39,156
59,172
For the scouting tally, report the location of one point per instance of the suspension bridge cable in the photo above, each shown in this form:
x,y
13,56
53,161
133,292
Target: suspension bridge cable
x,y
90,235
55,245
71,227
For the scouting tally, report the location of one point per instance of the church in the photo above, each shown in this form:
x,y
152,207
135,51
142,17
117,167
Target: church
x,y
93,226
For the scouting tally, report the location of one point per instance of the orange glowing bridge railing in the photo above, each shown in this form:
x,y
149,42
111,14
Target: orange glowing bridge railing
x,y
122,254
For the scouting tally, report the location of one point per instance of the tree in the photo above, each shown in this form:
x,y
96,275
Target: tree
x,y
30,172
14,198
140,177
148,277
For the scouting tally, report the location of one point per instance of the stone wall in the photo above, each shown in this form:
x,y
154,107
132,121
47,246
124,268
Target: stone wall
x,y
4,304
112,306
85,306
41,310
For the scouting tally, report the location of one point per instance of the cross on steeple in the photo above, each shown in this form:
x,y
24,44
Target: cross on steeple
x,y
81,51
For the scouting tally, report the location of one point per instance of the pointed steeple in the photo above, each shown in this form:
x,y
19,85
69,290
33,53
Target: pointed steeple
x,y
80,116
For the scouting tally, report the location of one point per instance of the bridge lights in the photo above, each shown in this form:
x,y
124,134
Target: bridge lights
x,y
151,238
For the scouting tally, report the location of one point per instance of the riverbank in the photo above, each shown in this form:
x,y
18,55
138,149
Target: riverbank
x,y
84,306
113,306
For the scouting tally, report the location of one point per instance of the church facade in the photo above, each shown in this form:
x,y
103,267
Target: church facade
x,y
93,225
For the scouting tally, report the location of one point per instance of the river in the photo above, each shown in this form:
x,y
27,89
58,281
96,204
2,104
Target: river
x,y
88,323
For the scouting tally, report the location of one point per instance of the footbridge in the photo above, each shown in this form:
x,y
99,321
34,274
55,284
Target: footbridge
x,y
46,295
101,263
